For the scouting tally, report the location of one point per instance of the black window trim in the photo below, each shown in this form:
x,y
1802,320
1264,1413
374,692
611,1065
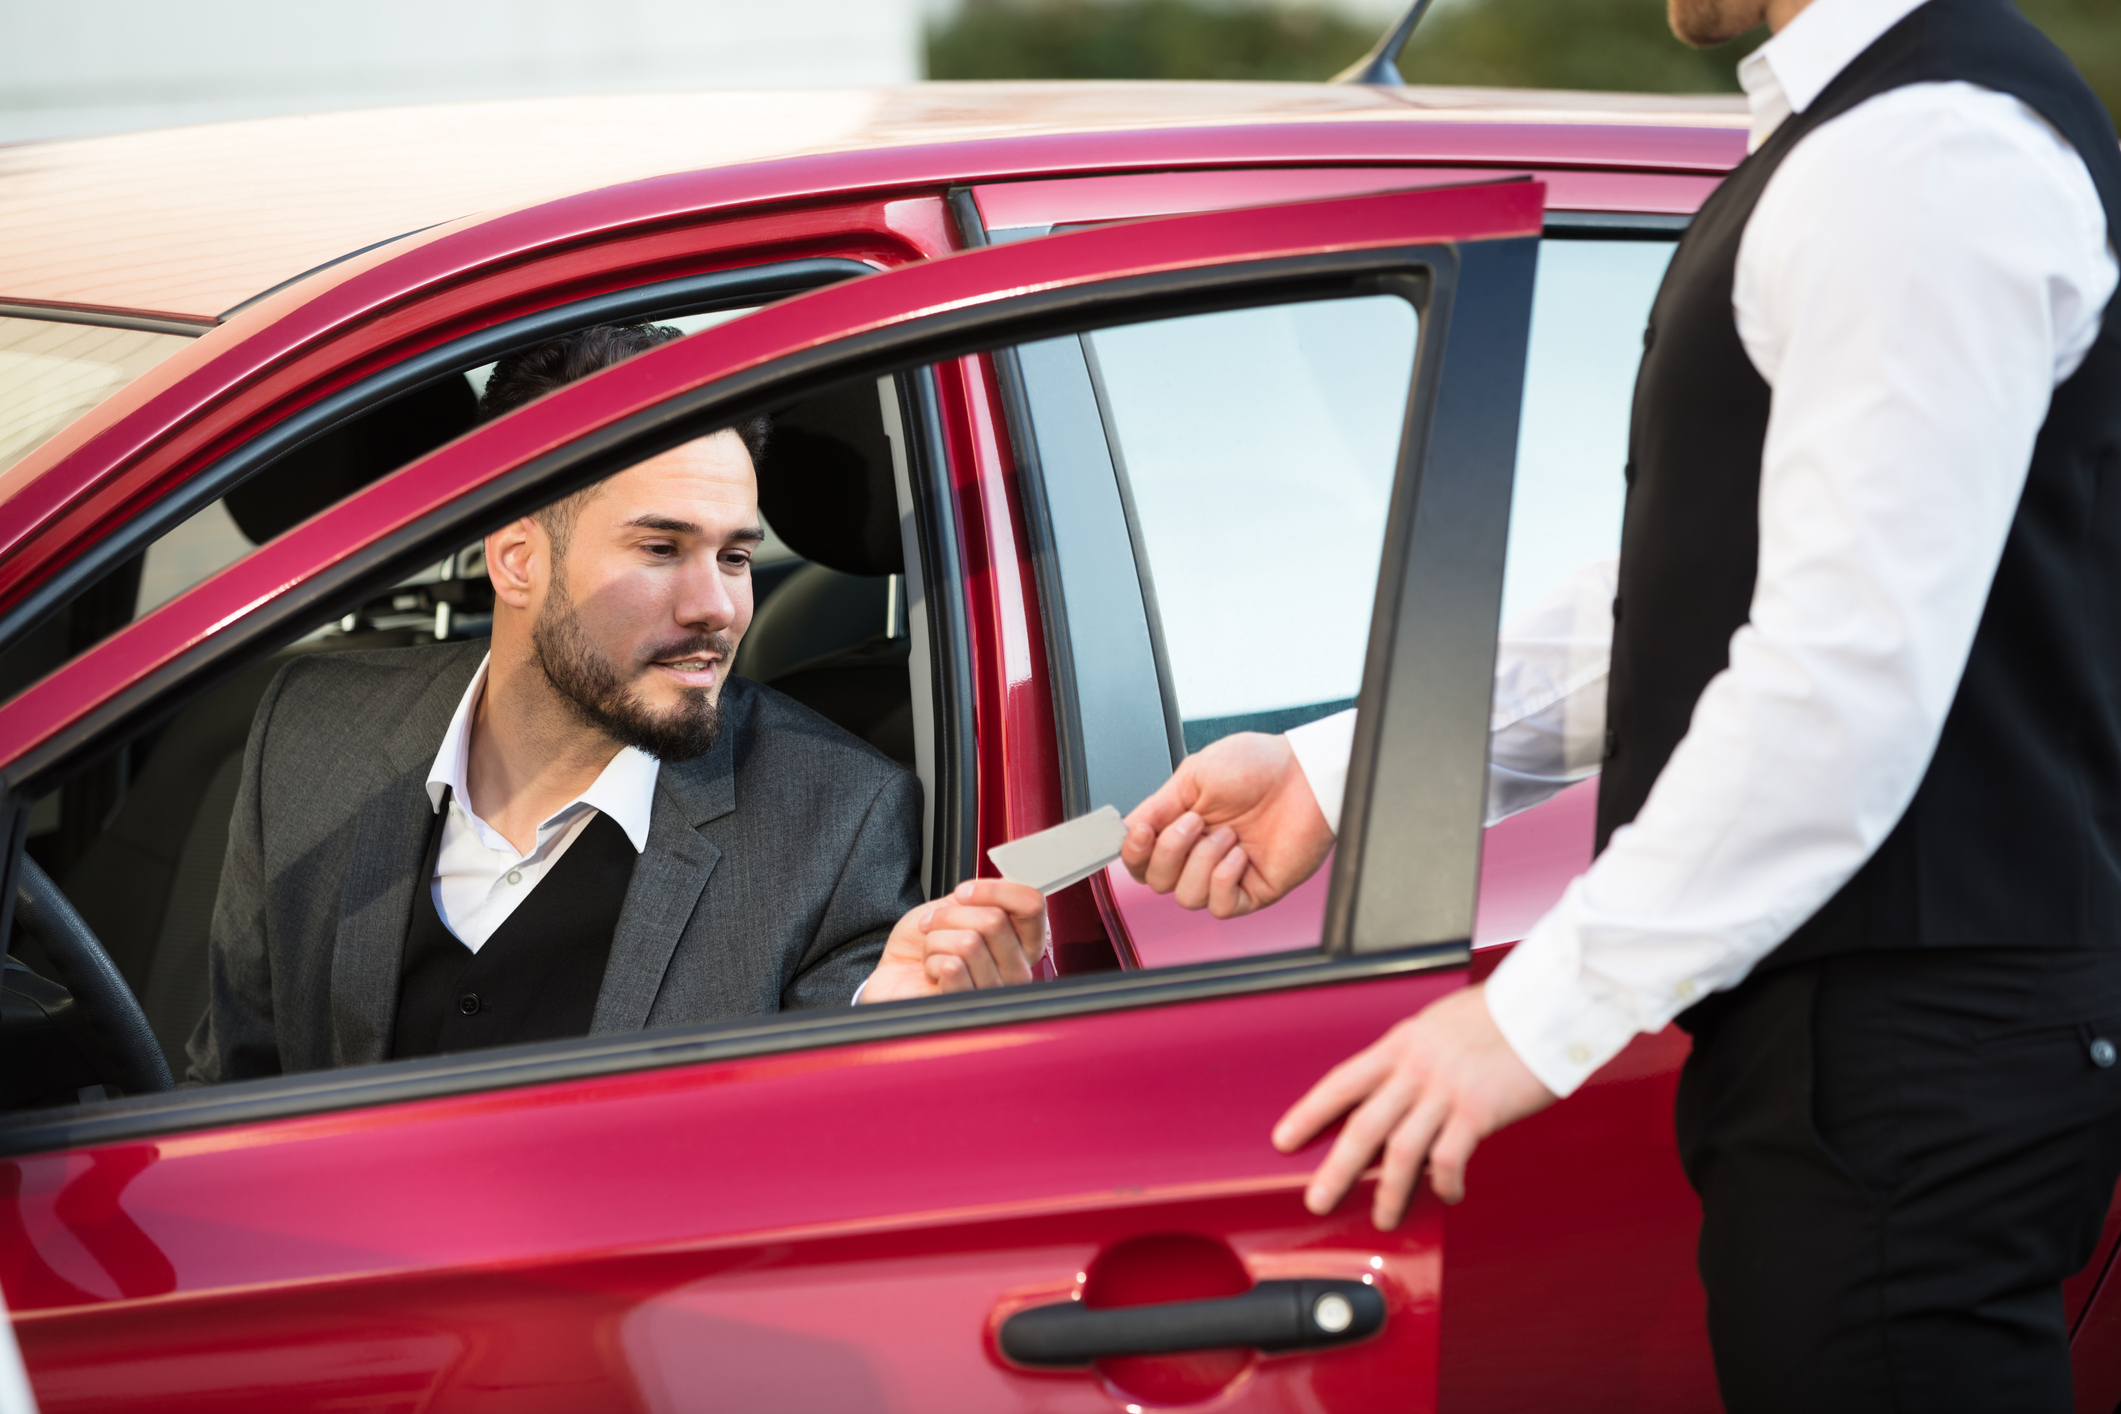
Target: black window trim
x,y
954,841
1417,272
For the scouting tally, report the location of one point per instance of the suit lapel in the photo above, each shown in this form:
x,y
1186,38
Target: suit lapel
x,y
668,879
389,845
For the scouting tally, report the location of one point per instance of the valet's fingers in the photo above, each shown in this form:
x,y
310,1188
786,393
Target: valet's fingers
x,y
1148,820
1450,1154
1226,892
1192,890
1337,1091
1405,1151
1357,1146
1174,844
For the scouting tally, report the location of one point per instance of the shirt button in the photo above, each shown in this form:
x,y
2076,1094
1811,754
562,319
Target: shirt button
x,y
2103,1053
1685,991
515,876
469,1003
1579,1054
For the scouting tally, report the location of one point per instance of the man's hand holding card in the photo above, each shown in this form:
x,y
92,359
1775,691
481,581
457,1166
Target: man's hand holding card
x,y
992,932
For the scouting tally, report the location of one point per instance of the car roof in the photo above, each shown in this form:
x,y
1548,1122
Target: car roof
x,y
189,222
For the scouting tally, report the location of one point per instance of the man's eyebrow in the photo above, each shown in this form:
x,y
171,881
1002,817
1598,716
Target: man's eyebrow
x,y
670,525
665,523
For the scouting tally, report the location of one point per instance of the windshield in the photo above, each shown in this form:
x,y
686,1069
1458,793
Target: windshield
x,y
51,373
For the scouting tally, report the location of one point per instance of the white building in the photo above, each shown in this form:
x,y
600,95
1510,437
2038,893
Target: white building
x,y
75,67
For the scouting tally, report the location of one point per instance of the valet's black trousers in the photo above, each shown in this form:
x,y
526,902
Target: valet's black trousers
x,y
1900,1156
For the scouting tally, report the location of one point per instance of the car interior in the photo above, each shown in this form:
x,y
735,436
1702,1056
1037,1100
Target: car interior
x,y
135,840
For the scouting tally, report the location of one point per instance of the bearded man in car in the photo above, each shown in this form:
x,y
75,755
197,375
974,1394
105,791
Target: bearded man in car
x,y
587,828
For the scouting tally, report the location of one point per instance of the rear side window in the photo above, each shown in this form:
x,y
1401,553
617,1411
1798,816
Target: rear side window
x,y
52,373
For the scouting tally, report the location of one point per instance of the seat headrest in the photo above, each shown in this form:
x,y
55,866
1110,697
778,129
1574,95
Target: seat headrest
x,y
826,487
341,462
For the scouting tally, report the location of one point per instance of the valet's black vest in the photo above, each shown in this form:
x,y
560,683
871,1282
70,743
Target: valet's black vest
x,y
2014,836
537,977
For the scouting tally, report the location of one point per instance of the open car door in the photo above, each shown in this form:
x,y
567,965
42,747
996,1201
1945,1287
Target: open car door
x,y
1053,1197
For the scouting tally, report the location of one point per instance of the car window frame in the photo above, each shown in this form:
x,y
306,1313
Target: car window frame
x,y
1428,272
664,299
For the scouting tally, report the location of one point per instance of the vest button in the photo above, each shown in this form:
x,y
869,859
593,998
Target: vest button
x,y
1616,608
2103,1053
469,1003
1649,336
1612,742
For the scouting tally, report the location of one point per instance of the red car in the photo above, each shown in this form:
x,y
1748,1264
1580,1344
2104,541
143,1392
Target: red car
x,y
1059,493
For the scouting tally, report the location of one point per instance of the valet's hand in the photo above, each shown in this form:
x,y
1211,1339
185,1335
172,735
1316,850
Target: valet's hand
x,y
1234,829
988,933
1430,1090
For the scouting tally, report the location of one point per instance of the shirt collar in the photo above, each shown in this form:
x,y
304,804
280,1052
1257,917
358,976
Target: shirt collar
x,y
1787,74
625,790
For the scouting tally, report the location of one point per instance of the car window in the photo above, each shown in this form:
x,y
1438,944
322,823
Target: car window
x,y
215,538
137,839
1262,429
52,373
61,370
1259,447
1588,313
300,767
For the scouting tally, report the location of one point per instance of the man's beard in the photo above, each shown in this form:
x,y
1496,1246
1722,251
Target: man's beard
x,y
592,686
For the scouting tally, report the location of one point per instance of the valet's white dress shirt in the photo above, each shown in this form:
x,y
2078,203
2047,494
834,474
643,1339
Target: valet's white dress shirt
x,y
1918,276
479,876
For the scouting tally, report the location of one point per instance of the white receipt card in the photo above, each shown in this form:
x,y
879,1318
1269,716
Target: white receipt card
x,y
1066,854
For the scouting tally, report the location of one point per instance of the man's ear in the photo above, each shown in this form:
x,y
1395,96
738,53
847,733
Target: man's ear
x,y
517,555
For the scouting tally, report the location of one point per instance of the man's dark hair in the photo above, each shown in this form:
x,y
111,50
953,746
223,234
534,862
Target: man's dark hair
x,y
533,372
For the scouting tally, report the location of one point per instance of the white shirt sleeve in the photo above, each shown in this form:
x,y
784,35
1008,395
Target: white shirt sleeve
x,y
1547,730
1918,276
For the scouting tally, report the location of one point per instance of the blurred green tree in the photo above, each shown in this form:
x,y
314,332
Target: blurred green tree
x,y
1141,39
1595,44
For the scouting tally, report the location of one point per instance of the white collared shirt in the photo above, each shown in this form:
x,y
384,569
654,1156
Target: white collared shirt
x,y
479,876
1918,276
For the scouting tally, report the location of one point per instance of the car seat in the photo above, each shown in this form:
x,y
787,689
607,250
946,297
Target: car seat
x,y
832,635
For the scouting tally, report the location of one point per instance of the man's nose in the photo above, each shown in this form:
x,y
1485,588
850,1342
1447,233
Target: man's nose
x,y
706,597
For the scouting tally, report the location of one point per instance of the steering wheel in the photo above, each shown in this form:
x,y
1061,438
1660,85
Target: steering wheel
x,y
112,1012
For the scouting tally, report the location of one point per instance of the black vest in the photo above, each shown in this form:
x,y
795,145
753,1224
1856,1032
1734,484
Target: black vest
x,y
537,977
2014,836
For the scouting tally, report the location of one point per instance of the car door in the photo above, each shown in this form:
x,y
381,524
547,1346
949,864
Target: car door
x,y
1053,1197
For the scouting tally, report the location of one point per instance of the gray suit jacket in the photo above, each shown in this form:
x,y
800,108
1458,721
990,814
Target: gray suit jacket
x,y
776,866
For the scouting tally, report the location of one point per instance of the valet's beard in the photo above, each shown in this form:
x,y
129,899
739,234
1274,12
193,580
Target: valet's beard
x,y
1704,24
598,692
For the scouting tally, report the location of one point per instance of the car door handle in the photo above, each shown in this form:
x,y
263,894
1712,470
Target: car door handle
x,y
1273,1315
